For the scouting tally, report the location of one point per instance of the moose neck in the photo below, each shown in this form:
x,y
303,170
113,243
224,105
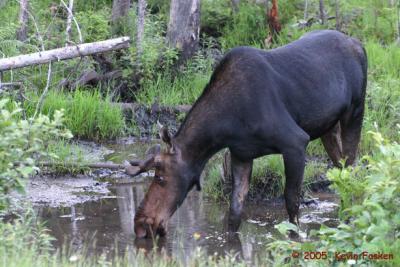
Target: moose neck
x,y
197,143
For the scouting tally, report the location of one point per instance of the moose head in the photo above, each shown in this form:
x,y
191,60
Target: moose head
x,y
173,179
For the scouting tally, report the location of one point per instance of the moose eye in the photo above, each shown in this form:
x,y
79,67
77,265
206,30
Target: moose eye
x,y
159,179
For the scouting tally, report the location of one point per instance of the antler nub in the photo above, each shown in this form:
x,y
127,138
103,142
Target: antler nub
x,y
135,167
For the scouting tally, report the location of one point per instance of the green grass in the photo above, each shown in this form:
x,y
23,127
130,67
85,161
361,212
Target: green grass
x,y
68,157
87,114
248,27
383,93
268,177
182,90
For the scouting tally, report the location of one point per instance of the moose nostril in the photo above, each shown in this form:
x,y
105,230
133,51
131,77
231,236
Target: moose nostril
x,y
149,221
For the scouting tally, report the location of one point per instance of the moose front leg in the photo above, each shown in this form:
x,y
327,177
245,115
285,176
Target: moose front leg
x,y
294,160
241,173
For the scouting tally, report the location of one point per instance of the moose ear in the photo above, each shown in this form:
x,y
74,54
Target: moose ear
x,y
164,134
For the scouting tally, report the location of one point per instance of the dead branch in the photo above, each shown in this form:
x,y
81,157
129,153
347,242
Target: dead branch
x,y
73,18
43,95
63,53
69,22
130,168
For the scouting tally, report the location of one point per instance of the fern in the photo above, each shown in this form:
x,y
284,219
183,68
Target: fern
x,y
10,48
8,31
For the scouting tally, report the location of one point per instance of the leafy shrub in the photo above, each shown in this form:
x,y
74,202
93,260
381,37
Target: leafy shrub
x,y
372,18
248,27
21,141
215,15
94,25
370,221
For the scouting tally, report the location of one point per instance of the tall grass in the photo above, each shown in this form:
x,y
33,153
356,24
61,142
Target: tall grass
x,y
383,92
268,177
183,90
87,114
248,27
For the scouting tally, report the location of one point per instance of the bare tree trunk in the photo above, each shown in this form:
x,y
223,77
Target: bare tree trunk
x,y
140,28
184,27
235,5
69,22
398,23
337,14
23,21
120,9
322,11
305,9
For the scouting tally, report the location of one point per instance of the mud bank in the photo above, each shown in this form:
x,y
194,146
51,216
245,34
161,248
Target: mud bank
x,y
145,118
64,191
55,190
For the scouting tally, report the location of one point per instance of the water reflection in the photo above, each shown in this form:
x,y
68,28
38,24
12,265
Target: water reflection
x,y
107,224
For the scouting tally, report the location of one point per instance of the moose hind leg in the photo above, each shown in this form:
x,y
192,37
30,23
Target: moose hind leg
x,y
333,144
351,125
241,173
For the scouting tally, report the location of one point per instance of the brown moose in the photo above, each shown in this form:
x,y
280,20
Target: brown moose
x,y
258,103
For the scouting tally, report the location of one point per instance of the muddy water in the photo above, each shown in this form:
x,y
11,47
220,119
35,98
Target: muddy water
x,y
107,223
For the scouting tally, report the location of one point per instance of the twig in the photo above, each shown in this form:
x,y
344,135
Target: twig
x,y
76,23
37,30
46,89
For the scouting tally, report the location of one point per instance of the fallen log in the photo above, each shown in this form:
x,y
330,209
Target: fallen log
x,y
130,168
133,106
63,53
13,84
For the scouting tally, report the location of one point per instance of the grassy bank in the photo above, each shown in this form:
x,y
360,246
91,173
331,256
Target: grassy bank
x,y
88,114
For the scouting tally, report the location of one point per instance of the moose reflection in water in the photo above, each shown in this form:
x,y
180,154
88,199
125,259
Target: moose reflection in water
x,y
99,226
258,103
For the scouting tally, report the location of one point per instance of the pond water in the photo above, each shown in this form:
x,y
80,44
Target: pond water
x,y
106,224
